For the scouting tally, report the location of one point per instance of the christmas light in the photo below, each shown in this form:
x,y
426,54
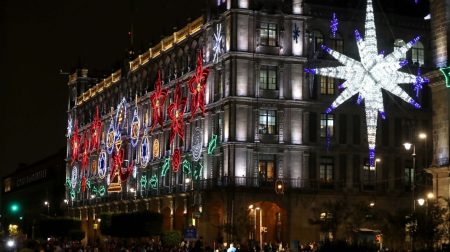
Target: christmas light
x,y
145,155
157,100
186,167
155,148
197,142
69,127
296,33
199,171
72,194
369,76
121,114
197,86
83,184
176,112
110,137
85,154
74,177
176,160
117,161
165,167
75,142
135,127
154,182
96,129
212,144
102,159
446,72
334,25
143,182
217,42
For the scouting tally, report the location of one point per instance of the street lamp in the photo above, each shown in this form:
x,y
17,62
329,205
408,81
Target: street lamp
x,y
47,204
377,160
408,146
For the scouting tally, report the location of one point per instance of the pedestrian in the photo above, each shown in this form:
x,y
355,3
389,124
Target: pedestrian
x,y
231,248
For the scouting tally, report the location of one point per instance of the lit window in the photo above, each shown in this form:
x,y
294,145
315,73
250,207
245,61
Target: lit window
x,y
326,125
326,170
417,52
267,122
268,77
266,168
268,34
326,85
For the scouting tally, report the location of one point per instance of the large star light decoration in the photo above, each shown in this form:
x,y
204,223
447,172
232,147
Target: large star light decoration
x,y
369,76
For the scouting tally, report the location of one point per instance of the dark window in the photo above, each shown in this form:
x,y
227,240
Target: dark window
x,y
326,125
326,170
268,77
337,44
356,130
342,129
316,40
268,34
267,122
313,127
417,54
368,175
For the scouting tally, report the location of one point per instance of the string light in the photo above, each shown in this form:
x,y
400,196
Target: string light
x,y
334,25
69,127
145,156
121,114
212,144
75,142
143,182
176,112
165,167
176,160
102,159
369,76
135,127
186,167
199,171
446,72
154,182
197,86
217,42
110,137
74,177
156,148
96,128
157,100
197,142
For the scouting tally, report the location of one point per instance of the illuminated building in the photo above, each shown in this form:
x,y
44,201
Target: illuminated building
x,y
264,138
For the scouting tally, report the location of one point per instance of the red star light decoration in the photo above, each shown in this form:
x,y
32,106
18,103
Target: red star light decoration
x,y
157,100
96,128
197,86
176,112
176,160
75,142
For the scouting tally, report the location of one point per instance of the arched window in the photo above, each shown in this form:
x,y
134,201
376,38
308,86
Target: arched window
x,y
316,40
399,43
417,54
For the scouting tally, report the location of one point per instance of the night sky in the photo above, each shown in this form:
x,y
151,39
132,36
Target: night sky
x,y
42,41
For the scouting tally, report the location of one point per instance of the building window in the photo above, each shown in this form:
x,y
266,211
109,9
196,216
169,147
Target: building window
x,y
316,40
326,170
266,168
417,54
267,121
399,43
326,125
268,77
268,34
326,85
368,176
337,43
409,175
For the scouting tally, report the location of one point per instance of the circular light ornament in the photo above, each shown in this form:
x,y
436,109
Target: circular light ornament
x,y
110,138
135,127
102,165
197,142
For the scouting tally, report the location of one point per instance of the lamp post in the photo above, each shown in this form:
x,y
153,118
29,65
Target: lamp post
x,y
253,210
412,173
377,160
47,204
260,227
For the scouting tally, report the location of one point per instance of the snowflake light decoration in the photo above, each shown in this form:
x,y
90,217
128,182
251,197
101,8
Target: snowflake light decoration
x,y
69,127
369,76
197,86
176,112
296,33
217,43
157,100
102,159
334,25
